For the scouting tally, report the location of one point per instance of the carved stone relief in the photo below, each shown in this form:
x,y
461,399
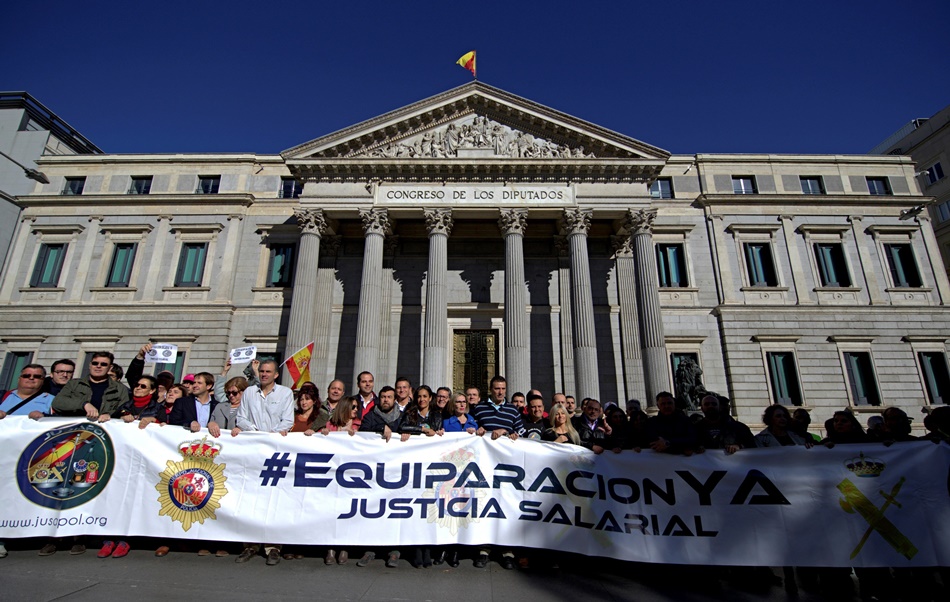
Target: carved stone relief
x,y
480,133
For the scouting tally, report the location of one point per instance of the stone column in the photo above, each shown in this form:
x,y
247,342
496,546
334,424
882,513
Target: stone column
x,y
629,321
576,224
312,224
77,280
640,226
435,350
564,329
517,333
157,266
375,227
323,306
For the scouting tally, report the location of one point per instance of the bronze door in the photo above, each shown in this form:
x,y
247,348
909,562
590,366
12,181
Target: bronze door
x,y
474,359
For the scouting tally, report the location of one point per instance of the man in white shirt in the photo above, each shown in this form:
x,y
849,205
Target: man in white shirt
x,y
268,408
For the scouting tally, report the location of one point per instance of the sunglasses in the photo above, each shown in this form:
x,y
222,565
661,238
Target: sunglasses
x,y
142,386
100,364
32,376
233,393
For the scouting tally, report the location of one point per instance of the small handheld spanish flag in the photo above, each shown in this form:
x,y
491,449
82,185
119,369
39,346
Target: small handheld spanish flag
x,y
468,62
298,365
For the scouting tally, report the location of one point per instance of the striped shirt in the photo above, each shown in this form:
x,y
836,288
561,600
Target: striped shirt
x,y
491,417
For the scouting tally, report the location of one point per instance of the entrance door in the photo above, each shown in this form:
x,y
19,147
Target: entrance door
x,y
474,358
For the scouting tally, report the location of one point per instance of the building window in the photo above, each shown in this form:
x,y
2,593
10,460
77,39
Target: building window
x,y
13,365
812,185
191,264
662,188
177,368
74,186
671,265
140,185
943,211
677,358
743,184
290,188
903,267
783,378
860,373
933,364
120,270
832,268
208,184
878,186
49,264
280,270
934,173
758,258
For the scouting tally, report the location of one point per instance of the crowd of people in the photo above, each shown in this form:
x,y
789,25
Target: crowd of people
x,y
255,402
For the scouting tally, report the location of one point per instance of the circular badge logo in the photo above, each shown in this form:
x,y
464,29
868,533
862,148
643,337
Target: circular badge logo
x,y
66,467
191,489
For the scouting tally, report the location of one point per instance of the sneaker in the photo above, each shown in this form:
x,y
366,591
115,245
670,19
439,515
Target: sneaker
x,y
393,560
366,559
77,549
3,551
162,551
508,563
273,557
453,560
121,550
107,548
246,555
481,562
48,550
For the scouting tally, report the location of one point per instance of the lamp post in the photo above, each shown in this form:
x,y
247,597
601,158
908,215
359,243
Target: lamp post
x,y
32,174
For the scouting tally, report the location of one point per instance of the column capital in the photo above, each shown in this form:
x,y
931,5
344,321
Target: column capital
x,y
855,218
576,221
640,222
622,245
785,217
513,221
923,217
439,221
311,221
375,221
561,247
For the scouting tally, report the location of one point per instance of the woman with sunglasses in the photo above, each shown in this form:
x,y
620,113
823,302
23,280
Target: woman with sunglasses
x,y
144,403
224,417
345,417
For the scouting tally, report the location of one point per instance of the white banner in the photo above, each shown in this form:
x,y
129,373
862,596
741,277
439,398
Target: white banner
x,y
854,505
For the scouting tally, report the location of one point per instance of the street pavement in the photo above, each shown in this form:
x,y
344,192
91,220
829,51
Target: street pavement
x,y
184,575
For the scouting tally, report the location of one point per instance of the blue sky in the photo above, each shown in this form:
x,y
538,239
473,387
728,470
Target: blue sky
x,y
689,77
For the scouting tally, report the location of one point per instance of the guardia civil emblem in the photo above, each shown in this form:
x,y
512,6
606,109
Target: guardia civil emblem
x,y
191,490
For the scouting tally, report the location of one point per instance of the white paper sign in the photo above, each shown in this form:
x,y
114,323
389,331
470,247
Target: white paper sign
x,y
162,353
242,355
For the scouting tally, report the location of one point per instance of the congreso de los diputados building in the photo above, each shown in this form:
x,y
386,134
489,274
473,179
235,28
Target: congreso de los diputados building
x,y
476,233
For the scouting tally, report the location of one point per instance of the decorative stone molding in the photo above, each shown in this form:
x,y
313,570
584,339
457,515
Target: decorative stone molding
x,y
576,221
439,221
561,247
622,245
390,245
640,222
477,134
513,221
375,221
311,221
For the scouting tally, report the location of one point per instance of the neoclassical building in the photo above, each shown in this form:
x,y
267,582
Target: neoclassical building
x,y
476,232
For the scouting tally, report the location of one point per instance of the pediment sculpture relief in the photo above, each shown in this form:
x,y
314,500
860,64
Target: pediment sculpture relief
x,y
478,134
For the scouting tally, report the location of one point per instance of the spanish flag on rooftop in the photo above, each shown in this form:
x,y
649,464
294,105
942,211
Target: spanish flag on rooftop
x,y
468,61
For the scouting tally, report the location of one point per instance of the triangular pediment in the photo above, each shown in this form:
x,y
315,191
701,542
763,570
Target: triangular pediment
x,y
475,121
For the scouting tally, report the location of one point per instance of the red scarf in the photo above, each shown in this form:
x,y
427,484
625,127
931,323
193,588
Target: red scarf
x,y
141,402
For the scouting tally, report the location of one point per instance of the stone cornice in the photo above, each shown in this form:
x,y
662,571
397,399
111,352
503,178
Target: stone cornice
x,y
476,169
780,203
138,200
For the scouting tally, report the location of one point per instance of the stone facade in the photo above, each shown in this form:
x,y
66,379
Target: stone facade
x,y
596,261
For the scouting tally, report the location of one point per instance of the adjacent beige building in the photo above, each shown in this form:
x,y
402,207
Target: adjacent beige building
x,y
476,232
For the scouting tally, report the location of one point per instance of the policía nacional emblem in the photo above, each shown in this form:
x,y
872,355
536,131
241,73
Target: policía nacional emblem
x,y
191,490
66,467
